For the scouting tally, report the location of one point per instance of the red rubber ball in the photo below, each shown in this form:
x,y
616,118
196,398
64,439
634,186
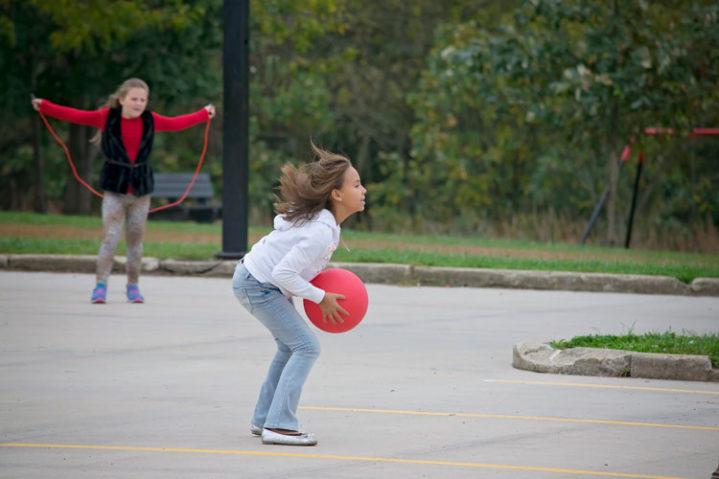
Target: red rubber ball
x,y
340,281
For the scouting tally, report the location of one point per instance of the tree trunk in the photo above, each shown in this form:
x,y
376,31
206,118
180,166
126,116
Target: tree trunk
x,y
90,153
72,188
77,197
613,175
363,163
40,200
40,196
614,143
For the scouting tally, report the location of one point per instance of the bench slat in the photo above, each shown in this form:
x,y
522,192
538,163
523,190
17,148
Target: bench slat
x,y
172,185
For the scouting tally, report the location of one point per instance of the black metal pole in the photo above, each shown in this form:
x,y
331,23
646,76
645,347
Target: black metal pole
x,y
640,164
235,136
597,209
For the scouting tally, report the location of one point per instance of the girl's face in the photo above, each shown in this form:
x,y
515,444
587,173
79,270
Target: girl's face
x,y
134,102
350,198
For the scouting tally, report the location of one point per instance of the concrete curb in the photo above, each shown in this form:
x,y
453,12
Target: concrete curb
x,y
399,274
543,358
550,280
201,268
705,286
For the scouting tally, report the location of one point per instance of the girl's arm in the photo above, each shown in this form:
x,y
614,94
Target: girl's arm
x,y
182,122
307,252
94,118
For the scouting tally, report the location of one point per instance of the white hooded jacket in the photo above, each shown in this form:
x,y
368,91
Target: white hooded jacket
x,y
291,255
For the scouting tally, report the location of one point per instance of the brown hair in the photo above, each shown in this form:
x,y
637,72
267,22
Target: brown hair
x,y
305,191
113,101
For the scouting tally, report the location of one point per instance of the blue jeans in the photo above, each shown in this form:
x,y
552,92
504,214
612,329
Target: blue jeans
x,y
297,350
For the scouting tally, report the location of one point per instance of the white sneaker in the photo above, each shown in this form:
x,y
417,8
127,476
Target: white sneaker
x,y
272,437
255,430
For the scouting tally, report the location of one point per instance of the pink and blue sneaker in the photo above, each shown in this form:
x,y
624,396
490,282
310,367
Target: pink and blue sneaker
x,y
133,294
99,294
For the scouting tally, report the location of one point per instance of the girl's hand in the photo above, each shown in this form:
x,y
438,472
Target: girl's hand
x,y
36,102
210,110
331,309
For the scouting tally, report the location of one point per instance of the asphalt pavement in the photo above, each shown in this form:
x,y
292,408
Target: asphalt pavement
x,y
423,387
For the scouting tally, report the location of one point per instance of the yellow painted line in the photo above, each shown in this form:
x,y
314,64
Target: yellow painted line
x,y
511,417
605,386
335,457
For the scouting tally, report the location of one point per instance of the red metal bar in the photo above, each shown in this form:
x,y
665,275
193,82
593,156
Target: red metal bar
x,y
653,131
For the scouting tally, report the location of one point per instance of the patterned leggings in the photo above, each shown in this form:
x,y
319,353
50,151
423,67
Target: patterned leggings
x,y
116,208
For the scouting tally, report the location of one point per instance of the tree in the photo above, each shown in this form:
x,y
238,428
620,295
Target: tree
x,y
559,80
77,53
338,72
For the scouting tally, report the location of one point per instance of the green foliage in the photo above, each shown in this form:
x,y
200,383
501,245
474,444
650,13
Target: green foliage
x,y
521,116
337,72
91,28
77,53
460,116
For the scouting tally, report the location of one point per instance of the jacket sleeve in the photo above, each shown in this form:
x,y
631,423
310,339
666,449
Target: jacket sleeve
x,y
181,122
303,255
94,118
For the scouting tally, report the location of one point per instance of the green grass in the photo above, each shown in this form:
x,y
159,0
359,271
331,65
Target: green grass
x,y
9,217
668,343
193,251
683,272
424,250
95,222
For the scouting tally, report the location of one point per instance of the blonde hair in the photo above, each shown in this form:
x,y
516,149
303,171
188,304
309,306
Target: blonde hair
x,y
305,191
113,101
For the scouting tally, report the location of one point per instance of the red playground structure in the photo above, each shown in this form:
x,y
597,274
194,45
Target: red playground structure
x,y
626,154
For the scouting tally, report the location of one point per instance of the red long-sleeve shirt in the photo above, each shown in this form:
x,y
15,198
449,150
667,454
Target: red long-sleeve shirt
x,y
130,128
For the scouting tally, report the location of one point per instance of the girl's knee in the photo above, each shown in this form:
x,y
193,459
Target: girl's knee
x,y
310,348
134,236
109,243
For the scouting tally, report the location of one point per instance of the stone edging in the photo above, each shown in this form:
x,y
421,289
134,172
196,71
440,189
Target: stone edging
x,y
543,358
400,274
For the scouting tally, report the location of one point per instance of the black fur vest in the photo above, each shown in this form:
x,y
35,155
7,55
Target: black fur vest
x,y
118,173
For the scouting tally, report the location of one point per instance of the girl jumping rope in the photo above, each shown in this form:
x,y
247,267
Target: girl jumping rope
x,y
314,200
126,134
